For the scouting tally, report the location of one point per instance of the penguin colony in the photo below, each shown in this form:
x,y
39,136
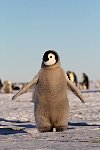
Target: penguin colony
x,y
51,106
8,87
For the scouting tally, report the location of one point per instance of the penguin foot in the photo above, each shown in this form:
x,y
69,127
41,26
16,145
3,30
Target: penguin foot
x,y
61,128
46,129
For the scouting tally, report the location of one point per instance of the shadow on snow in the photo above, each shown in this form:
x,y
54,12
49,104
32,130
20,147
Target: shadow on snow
x,y
16,127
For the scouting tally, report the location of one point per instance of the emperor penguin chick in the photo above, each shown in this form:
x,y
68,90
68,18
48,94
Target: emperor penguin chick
x,y
51,103
51,106
7,86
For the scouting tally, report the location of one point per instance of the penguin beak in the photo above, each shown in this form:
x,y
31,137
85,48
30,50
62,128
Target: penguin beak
x,y
27,87
74,89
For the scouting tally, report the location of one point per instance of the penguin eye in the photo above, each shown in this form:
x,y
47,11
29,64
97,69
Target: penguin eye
x,y
51,56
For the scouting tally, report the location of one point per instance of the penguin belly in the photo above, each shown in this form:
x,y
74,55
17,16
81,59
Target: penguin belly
x,y
50,101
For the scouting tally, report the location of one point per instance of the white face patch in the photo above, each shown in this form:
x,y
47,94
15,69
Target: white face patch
x,y
51,60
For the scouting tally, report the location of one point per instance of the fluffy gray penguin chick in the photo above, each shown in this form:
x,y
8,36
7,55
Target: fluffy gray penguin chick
x,y
51,106
51,103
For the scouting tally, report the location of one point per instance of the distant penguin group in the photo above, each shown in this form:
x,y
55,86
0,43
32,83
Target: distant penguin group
x,y
83,85
50,85
8,86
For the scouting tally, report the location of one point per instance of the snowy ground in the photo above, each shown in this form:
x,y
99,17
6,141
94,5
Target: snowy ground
x,y
18,130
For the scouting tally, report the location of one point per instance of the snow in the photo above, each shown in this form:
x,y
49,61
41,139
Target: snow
x,y
18,129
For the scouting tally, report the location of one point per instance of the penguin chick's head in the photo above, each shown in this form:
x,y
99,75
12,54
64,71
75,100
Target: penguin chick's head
x,y
50,57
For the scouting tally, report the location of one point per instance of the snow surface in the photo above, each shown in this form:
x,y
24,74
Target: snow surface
x,y
18,129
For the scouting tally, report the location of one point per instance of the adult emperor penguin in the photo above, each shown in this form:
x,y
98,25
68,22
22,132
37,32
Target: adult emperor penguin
x,y
72,77
51,106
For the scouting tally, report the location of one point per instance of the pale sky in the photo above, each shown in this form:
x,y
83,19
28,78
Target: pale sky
x,y
30,27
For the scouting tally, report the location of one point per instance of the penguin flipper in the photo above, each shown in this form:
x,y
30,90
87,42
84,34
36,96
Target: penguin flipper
x,y
74,89
30,85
